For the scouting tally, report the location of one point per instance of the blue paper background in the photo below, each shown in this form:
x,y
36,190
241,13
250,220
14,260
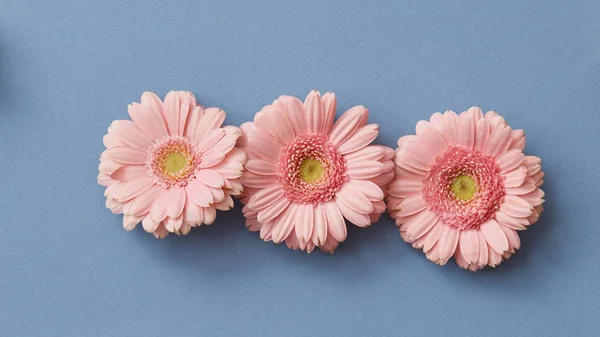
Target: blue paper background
x,y
68,68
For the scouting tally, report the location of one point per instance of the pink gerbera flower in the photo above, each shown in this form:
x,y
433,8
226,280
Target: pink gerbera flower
x,y
306,174
464,188
172,166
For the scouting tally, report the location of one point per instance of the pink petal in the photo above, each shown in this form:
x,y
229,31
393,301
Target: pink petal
x,y
108,166
131,189
266,197
256,181
354,199
469,245
366,187
185,229
329,106
448,242
149,99
175,201
534,198
359,219
450,126
282,126
494,236
271,212
483,250
420,225
319,235
173,225
129,172
151,121
434,253
295,112
509,221
158,211
496,121
411,205
498,142
314,114
262,167
141,204
516,177
211,159
482,133
292,241
145,123
209,214
361,138
304,224
528,186
199,193
285,224
402,141
128,155
516,206
266,230
347,124
509,160
335,221
210,178
403,188
232,165
264,146
532,164
193,121
131,135
364,169
149,224
171,110
225,144
408,162
160,232
494,258
431,237
474,112
210,139
437,121
212,119
130,221
514,242
420,153
433,139
517,140
192,213
226,204
465,135
367,153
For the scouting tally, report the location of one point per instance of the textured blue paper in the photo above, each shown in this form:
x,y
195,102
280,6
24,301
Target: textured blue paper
x,y
68,68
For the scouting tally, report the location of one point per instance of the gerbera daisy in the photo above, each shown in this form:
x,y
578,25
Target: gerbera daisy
x,y
464,188
306,175
172,166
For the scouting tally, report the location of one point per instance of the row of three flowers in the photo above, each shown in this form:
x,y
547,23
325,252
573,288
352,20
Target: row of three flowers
x,y
461,187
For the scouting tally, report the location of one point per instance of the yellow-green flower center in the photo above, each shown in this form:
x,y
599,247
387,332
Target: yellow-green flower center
x,y
311,170
175,162
463,187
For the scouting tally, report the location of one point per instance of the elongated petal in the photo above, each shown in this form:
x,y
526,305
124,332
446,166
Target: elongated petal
x,y
128,155
335,221
494,236
347,124
361,138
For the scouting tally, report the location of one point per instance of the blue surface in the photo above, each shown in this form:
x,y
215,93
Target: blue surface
x,y
67,69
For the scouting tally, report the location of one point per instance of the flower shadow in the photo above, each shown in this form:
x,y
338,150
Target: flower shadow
x,y
215,247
